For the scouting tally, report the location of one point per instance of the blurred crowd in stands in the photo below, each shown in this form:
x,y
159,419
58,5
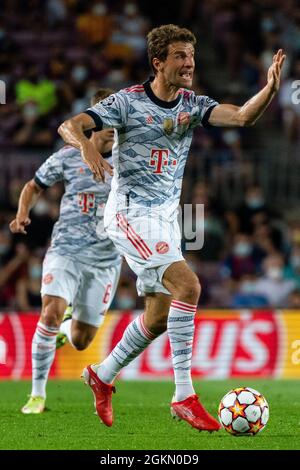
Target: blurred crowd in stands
x,y
54,54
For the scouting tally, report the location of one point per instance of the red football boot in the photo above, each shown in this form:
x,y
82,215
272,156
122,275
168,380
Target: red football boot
x,y
102,395
195,414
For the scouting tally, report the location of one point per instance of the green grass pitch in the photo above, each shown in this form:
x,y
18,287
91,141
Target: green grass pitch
x,y
142,418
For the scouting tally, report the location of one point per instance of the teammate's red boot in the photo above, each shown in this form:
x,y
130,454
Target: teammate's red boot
x,y
195,414
102,394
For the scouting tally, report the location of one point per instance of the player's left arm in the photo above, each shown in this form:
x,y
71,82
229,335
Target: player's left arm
x,y
28,198
228,115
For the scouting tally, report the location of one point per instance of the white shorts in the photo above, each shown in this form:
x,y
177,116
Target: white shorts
x,y
149,239
90,290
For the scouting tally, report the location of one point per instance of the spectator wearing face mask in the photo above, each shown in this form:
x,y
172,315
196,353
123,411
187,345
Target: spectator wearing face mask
x,y
134,27
253,204
125,298
272,284
240,260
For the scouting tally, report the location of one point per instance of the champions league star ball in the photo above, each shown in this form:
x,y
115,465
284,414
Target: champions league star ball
x,y
243,411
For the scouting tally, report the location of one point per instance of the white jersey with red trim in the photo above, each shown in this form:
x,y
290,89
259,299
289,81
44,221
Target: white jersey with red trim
x,y
152,141
79,232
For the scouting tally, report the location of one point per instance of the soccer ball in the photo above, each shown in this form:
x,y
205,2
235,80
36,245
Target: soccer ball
x,y
243,411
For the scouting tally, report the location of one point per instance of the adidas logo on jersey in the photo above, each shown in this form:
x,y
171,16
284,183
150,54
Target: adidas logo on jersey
x,y
149,119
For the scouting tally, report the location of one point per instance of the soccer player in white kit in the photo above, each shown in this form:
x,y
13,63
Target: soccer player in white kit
x,y
81,267
153,124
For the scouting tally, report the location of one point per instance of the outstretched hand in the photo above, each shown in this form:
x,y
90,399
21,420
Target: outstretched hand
x,y
97,164
274,71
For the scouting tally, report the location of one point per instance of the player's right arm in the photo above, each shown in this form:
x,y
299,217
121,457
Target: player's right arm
x,y
49,173
72,131
29,195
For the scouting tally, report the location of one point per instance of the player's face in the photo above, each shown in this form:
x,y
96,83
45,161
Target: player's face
x,y
179,66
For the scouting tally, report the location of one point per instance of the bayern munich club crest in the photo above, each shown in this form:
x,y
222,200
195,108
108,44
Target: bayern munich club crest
x,y
47,279
162,247
184,119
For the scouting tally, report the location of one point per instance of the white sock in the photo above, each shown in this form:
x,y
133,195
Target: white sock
x,y
181,335
135,339
43,353
65,328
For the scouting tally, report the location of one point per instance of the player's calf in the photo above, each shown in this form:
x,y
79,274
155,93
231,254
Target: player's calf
x,y
82,334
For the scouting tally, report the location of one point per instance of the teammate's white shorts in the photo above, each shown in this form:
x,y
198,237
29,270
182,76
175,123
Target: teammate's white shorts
x,y
148,238
90,290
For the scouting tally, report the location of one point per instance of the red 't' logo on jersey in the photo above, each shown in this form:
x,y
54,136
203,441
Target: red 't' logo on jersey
x,y
86,201
159,158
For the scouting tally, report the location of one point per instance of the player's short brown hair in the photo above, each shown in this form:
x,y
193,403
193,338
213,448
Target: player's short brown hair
x,y
160,38
100,95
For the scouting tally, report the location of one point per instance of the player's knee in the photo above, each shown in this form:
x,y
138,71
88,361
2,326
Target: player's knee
x,y
80,345
51,314
80,342
189,289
